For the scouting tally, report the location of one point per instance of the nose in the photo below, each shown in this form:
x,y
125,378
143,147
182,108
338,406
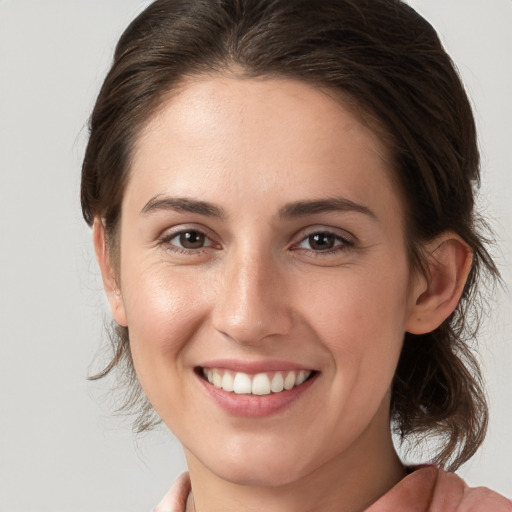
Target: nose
x,y
251,304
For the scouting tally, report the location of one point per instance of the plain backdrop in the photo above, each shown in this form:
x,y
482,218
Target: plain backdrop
x,y
61,449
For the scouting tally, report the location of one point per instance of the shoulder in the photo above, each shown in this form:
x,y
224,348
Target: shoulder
x,y
430,489
176,499
452,493
427,489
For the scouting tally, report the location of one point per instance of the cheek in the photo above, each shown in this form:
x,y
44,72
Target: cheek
x,y
363,328
353,301
361,317
163,308
163,312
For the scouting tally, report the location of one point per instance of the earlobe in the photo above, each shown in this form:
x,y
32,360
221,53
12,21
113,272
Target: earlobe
x,y
110,282
449,263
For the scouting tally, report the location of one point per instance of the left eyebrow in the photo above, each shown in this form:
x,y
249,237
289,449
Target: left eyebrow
x,y
334,204
181,204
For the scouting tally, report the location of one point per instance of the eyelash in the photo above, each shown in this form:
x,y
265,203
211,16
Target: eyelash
x,y
340,243
169,245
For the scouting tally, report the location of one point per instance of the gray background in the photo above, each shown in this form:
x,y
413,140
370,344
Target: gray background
x,y
60,448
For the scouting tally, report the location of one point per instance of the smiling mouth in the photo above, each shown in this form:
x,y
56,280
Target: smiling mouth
x,y
259,384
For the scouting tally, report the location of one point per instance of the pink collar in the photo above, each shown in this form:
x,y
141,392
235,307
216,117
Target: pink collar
x,y
427,489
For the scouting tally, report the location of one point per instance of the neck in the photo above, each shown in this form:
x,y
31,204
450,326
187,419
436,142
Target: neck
x,y
349,482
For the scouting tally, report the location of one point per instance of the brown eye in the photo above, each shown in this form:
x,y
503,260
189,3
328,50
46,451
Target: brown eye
x,y
324,241
191,239
187,240
321,241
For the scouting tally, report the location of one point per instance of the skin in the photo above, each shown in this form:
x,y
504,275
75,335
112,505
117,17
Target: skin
x,y
258,289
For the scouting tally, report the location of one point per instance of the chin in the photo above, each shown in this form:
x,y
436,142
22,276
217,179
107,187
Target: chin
x,y
268,475
257,465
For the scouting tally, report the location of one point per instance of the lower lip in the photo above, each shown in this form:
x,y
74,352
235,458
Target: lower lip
x,y
255,406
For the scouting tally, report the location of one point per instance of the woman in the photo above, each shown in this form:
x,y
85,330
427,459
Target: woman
x,y
281,196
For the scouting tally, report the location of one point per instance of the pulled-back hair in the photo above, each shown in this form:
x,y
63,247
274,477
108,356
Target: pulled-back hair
x,y
387,64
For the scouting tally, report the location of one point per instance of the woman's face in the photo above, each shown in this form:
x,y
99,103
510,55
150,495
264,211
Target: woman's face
x,y
261,244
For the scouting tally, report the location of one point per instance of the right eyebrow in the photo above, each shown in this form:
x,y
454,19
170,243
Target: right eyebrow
x,y
334,204
181,204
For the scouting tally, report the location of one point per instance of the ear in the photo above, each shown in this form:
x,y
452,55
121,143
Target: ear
x,y
439,292
108,274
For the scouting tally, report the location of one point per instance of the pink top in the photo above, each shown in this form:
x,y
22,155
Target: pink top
x,y
428,489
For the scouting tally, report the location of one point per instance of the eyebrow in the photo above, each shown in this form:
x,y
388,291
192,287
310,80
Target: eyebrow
x,y
182,204
334,204
295,209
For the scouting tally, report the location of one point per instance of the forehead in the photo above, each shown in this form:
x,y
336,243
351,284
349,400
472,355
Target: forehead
x,y
218,104
218,134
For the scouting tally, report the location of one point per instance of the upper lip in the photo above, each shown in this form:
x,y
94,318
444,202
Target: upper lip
x,y
253,367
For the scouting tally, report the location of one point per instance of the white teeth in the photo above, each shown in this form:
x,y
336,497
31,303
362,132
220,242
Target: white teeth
x,y
217,379
227,382
242,384
259,384
277,383
289,381
303,375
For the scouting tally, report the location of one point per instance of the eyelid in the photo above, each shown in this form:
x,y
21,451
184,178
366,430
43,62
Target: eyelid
x,y
173,232
347,240
340,233
338,241
173,236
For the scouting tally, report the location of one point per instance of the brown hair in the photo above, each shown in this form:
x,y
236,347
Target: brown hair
x,y
390,63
